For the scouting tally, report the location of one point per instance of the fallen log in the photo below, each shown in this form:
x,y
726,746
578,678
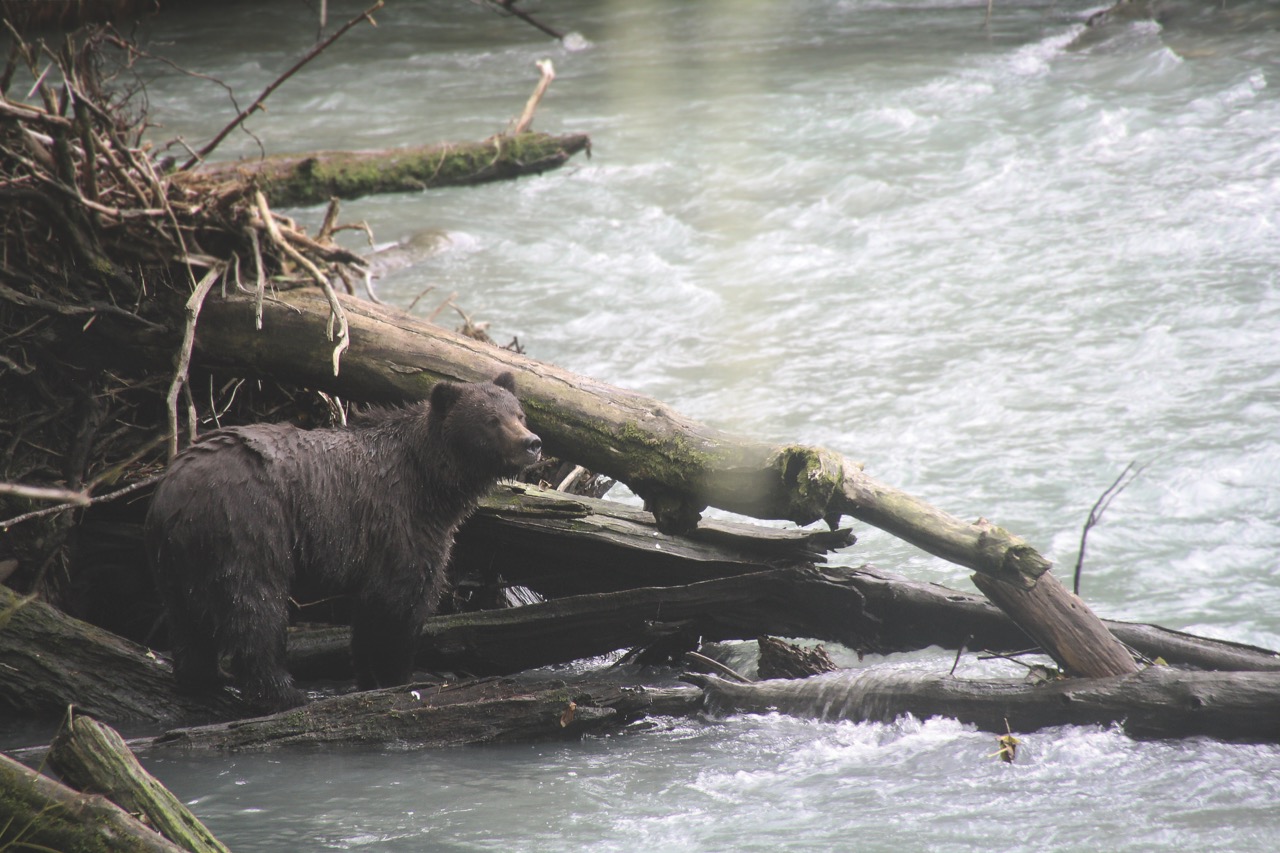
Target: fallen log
x,y
1156,702
50,660
570,545
42,814
94,758
315,177
862,609
435,715
677,465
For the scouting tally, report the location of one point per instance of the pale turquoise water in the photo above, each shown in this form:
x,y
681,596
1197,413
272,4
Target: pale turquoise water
x,y
993,267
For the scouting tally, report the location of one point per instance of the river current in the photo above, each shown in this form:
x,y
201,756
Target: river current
x,y
996,261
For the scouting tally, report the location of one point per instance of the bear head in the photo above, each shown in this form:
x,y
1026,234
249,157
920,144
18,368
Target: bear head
x,y
484,424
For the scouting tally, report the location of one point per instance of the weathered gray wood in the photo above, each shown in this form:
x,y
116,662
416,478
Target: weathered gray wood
x,y
39,814
93,758
1047,612
434,715
1155,702
678,465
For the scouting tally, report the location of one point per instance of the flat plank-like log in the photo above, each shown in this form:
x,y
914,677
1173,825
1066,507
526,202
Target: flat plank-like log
x,y
436,715
1156,702
571,545
315,177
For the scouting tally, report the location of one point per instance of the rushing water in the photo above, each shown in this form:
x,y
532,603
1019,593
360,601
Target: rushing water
x,y
993,262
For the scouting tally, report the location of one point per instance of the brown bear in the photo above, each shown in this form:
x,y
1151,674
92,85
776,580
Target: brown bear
x,y
247,515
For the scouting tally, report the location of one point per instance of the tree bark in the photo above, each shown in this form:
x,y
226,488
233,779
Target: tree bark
x,y
1156,702
862,609
41,814
314,178
435,715
50,661
677,465
93,758
1047,612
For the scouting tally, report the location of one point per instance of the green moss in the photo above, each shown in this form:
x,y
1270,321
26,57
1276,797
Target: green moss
x,y
809,477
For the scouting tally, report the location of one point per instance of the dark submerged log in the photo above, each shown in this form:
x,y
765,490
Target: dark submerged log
x,y
434,715
1155,702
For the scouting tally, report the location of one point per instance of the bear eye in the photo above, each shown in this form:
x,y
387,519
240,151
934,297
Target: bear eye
x,y
494,420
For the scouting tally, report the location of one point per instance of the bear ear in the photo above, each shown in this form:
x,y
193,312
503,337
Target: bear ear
x,y
443,396
505,380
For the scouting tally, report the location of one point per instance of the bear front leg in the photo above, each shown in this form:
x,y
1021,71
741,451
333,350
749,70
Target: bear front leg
x,y
382,648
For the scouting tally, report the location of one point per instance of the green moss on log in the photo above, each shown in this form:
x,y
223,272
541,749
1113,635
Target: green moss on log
x,y
314,179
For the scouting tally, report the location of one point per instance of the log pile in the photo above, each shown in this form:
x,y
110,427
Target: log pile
x,y
142,302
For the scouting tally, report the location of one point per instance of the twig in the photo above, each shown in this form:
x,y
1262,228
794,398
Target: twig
x,y
366,15
335,307
577,471
715,666
53,510
510,6
45,493
1095,514
184,354
960,651
526,118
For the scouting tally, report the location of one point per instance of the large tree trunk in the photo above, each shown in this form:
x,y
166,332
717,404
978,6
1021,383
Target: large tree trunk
x,y
677,465
1156,702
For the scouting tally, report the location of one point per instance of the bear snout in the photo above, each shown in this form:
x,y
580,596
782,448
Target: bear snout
x,y
533,447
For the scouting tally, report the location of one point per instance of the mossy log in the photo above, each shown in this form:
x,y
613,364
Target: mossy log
x,y
434,715
314,178
93,758
38,813
1156,702
677,465
49,660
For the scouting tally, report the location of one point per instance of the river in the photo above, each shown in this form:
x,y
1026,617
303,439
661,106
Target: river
x,y
996,262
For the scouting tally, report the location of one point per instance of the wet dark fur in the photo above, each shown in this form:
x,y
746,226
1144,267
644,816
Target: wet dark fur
x,y
249,513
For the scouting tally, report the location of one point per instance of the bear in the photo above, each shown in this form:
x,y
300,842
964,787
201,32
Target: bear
x,y
249,515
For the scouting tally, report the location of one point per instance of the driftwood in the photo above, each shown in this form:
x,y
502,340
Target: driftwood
x,y
1156,702
779,659
94,758
482,711
677,465
41,814
316,177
